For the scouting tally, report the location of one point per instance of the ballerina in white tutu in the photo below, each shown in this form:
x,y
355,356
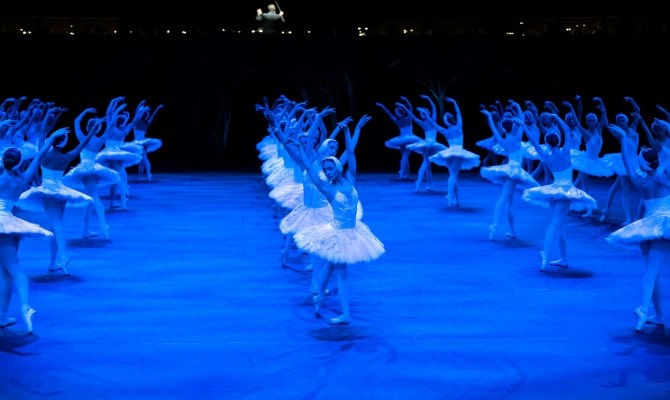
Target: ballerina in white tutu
x,y
588,162
652,232
12,229
118,154
52,196
427,120
89,175
561,194
401,118
509,175
345,240
615,162
143,120
315,209
454,157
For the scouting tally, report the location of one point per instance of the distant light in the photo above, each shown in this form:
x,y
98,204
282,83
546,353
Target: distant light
x,y
509,33
183,32
167,32
521,23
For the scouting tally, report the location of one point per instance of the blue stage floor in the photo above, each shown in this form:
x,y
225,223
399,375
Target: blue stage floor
x,y
189,301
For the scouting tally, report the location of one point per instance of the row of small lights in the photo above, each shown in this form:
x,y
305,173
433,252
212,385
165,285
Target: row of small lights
x,y
362,31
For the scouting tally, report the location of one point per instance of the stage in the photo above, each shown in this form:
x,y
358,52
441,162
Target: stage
x,y
189,301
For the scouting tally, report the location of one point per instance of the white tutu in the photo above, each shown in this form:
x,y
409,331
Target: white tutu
x,y
11,225
401,141
654,225
591,166
512,169
470,159
89,168
345,239
288,196
561,189
51,187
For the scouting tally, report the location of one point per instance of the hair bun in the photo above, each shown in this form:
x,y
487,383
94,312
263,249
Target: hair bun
x,y
11,158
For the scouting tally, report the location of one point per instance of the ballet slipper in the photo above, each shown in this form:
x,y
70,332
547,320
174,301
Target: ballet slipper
x,y
559,263
317,300
60,266
648,319
641,319
341,320
27,313
543,257
284,257
492,231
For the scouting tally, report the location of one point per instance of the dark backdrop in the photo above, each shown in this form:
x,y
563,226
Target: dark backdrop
x,y
210,83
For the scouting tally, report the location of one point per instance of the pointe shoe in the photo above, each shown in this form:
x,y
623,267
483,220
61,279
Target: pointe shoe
x,y
6,321
87,235
649,319
588,215
27,313
417,186
342,319
603,216
492,231
64,262
510,235
309,267
104,235
284,257
641,319
543,257
317,304
559,263
60,267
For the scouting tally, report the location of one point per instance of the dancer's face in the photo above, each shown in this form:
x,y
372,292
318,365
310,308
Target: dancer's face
x,y
621,120
591,120
331,149
330,170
